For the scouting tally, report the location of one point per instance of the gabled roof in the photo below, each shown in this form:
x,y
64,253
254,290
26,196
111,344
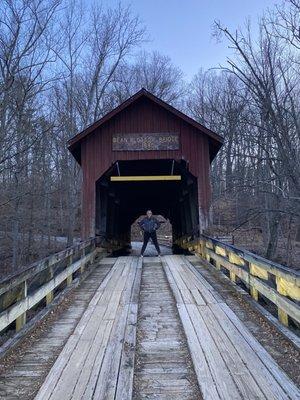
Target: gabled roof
x,y
216,140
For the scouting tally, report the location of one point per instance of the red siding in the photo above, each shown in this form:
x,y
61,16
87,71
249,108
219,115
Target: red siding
x,y
143,116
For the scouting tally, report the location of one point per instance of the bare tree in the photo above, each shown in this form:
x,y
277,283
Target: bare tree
x,y
26,40
268,72
155,73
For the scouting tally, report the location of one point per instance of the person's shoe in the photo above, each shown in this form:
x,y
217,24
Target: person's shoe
x,y
141,256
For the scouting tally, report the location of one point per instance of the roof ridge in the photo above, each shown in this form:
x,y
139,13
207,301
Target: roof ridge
x,y
75,140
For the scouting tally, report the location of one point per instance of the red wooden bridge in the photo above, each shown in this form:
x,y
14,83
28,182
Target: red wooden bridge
x,y
206,321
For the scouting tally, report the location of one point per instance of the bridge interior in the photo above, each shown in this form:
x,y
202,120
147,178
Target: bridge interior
x,y
129,188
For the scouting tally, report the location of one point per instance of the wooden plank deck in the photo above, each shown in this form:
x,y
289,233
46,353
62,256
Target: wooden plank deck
x,y
22,378
163,365
103,358
229,362
100,352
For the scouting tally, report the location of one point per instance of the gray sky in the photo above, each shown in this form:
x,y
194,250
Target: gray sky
x,y
183,29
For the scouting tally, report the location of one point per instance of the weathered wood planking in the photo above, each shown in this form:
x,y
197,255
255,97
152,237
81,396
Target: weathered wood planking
x,y
16,294
163,369
23,377
279,284
98,359
230,363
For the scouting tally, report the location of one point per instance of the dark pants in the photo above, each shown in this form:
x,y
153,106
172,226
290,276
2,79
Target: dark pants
x,y
147,236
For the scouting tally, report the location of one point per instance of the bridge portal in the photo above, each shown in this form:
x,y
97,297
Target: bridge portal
x,y
145,154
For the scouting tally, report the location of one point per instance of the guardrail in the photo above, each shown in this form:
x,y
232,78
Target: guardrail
x,y
22,291
279,284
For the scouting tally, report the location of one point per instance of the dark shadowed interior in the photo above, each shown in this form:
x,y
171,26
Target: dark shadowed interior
x,y
119,204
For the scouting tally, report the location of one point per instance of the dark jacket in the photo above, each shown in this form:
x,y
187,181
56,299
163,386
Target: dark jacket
x,y
149,224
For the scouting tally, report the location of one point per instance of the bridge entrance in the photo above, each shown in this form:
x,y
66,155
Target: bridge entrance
x,y
144,154
127,189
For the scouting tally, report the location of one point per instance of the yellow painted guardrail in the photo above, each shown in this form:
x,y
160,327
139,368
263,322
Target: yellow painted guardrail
x,y
279,284
22,291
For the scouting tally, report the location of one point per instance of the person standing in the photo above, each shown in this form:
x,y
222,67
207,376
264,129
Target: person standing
x,y
149,225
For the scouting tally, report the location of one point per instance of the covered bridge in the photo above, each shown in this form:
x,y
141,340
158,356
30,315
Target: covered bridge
x,y
172,327
145,154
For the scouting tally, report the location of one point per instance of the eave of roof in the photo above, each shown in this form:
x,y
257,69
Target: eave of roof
x,y
74,142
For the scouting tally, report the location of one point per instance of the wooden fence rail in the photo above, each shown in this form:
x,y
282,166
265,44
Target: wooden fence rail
x,y
25,289
275,282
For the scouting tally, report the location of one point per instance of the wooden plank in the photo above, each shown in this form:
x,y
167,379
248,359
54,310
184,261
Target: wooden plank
x,y
199,300
52,378
202,369
116,352
137,283
205,380
126,370
183,275
85,350
175,277
72,370
286,305
219,369
108,260
93,368
176,273
85,346
191,295
173,284
272,380
204,284
207,295
97,365
239,371
107,378
222,350
89,322
184,279
91,365
115,269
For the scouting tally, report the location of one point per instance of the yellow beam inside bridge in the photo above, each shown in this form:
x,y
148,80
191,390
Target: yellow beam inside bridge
x,y
145,178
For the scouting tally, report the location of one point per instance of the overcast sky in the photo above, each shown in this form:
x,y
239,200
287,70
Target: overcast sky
x,y
182,29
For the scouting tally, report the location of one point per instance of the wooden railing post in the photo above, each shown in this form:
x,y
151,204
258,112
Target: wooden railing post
x,y
232,276
93,250
82,267
50,295
21,320
282,315
70,277
254,293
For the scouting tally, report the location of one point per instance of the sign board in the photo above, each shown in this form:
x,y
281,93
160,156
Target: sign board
x,y
145,141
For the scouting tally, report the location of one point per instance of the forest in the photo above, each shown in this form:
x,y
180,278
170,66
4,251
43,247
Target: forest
x,y
63,65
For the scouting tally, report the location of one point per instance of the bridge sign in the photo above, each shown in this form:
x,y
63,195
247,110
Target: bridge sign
x,y
145,141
